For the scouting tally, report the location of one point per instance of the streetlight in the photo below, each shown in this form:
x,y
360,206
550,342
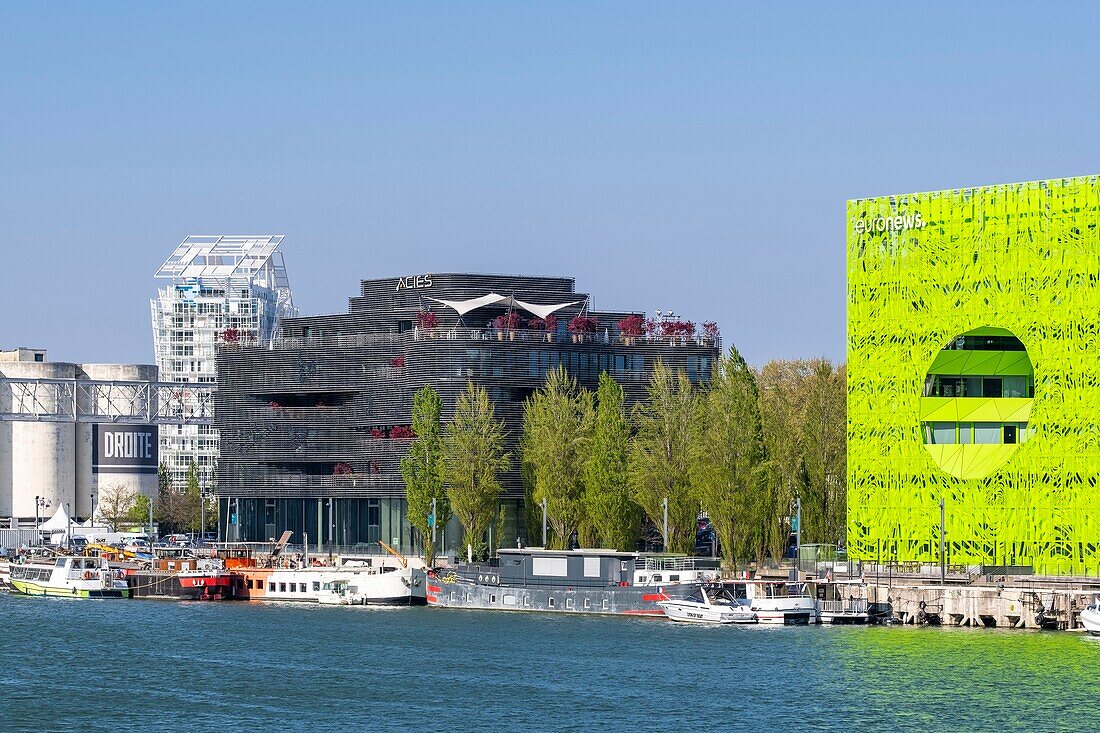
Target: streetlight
x,y
40,502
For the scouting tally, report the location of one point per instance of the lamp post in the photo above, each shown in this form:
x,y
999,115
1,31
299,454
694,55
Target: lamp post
x,y
943,564
664,535
40,502
544,521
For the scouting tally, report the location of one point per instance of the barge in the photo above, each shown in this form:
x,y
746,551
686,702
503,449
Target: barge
x,y
570,581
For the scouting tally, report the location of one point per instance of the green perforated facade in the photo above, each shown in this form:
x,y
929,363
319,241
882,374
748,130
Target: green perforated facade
x,y
974,376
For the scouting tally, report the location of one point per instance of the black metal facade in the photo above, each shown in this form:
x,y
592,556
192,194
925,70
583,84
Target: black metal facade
x,y
310,419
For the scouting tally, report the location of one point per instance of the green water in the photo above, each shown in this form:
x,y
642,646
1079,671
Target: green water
x,y
69,665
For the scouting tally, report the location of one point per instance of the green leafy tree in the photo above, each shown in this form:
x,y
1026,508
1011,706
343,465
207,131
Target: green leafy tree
x,y
824,442
422,469
138,514
473,459
608,503
661,455
781,406
728,455
556,428
190,509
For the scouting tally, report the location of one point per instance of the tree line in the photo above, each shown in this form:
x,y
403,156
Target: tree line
x,y
173,510
737,450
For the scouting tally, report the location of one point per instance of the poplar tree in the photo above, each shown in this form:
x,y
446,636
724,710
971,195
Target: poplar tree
x,y
557,424
422,469
824,439
660,455
607,499
728,454
473,459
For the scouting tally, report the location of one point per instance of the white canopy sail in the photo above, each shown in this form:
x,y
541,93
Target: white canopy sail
x,y
462,307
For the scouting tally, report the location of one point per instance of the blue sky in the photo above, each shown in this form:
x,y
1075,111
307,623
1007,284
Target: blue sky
x,y
687,156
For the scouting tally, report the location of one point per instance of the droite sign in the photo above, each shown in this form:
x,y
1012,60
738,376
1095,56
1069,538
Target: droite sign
x,y
125,449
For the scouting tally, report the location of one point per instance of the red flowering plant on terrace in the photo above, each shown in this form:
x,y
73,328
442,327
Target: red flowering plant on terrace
x,y
632,326
377,433
711,331
678,328
402,432
231,336
341,469
397,361
508,321
427,319
582,324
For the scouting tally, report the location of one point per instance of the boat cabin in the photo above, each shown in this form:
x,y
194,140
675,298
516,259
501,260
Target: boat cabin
x,y
588,568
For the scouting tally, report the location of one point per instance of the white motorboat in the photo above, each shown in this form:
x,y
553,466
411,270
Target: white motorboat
x,y
1090,619
785,602
709,606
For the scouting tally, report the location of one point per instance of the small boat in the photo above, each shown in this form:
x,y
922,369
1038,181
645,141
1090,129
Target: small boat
x,y
784,602
1090,619
70,577
709,606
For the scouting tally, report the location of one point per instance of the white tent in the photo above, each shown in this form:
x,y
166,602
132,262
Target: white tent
x,y
57,524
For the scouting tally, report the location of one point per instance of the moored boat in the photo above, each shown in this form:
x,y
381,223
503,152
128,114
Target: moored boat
x,y
570,581
1090,618
781,602
709,605
384,582
70,577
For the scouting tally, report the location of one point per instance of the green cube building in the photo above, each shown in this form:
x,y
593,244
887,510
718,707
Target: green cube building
x,y
974,376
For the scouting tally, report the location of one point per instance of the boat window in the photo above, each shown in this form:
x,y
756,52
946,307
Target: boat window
x,y
353,589
316,585
492,598
569,603
605,604
587,604
271,587
657,578
527,601
550,603
452,595
302,587
674,578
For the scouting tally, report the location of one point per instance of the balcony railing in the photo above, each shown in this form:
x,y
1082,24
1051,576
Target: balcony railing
x,y
464,333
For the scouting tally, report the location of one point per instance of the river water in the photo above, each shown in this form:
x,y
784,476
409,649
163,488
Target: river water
x,y
130,665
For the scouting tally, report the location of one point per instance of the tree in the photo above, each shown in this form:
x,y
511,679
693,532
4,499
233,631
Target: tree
x,y
557,423
422,469
660,455
727,456
191,506
114,505
781,407
607,494
473,459
138,515
824,425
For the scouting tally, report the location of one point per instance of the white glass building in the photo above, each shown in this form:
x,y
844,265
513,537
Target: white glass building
x,y
216,289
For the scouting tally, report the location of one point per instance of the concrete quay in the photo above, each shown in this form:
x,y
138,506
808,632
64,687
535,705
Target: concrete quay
x,y
975,599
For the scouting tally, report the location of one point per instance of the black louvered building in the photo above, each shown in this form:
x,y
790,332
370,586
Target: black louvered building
x,y
312,427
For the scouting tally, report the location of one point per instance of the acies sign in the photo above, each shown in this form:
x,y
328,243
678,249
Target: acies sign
x,y
125,449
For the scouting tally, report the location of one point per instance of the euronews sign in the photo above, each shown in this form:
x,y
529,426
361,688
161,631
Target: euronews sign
x,y
897,223
125,449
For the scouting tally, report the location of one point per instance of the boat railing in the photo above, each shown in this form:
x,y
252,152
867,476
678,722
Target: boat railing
x,y
676,563
850,605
